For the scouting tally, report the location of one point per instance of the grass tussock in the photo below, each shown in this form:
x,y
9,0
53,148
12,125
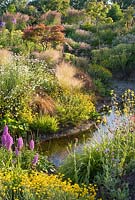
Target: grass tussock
x,y
50,55
65,73
43,105
5,57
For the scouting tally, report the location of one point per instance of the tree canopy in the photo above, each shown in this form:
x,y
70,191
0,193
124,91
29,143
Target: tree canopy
x,y
124,3
45,5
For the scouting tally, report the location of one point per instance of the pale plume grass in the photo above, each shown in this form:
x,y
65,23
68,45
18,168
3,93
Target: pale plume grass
x,y
65,73
5,57
50,55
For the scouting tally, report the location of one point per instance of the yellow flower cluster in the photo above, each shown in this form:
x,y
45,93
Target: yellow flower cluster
x,y
40,186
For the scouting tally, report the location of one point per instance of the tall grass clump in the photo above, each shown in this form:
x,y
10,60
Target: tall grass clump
x,y
51,56
45,124
5,57
65,74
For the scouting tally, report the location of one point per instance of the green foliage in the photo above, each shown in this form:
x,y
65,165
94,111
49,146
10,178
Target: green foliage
x,y
100,87
94,8
51,18
45,5
16,126
100,72
82,62
3,6
74,16
78,4
107,36
124,3
118,59
26,158
73,108
13,87
115,12
44,124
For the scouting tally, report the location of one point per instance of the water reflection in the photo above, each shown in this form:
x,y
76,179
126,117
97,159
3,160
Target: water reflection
x,y
57,151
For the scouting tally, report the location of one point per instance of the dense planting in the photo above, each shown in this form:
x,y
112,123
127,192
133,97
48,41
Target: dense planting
x,y
58,59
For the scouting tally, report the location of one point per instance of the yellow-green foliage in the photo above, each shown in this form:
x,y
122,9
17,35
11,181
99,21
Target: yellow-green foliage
x,y
22,185
74,107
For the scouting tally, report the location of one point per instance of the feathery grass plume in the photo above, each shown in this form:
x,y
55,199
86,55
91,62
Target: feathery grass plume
x,y
5,57
51,56
43,105
65,73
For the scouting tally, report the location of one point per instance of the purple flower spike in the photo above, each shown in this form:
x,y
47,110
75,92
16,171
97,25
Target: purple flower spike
x,y
32,144
20,143
3,139
14,21
35,160
2,24
16,151
9,142
5,131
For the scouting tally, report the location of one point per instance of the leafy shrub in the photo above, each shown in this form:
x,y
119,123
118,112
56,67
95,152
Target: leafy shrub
x,y
81,62
15,20
44,124
51,18
100,72
13,87
118,59
69,30
115,12
100,87
74,16
79,48
81,35
125,39
47,35
73,108
107,36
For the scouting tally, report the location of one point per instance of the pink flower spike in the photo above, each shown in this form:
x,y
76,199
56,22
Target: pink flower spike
x,y
5,131
31,145
9,142
3,140
16,151
20,143
35,160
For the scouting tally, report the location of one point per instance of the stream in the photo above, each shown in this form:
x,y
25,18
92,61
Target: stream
x,y
58,149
